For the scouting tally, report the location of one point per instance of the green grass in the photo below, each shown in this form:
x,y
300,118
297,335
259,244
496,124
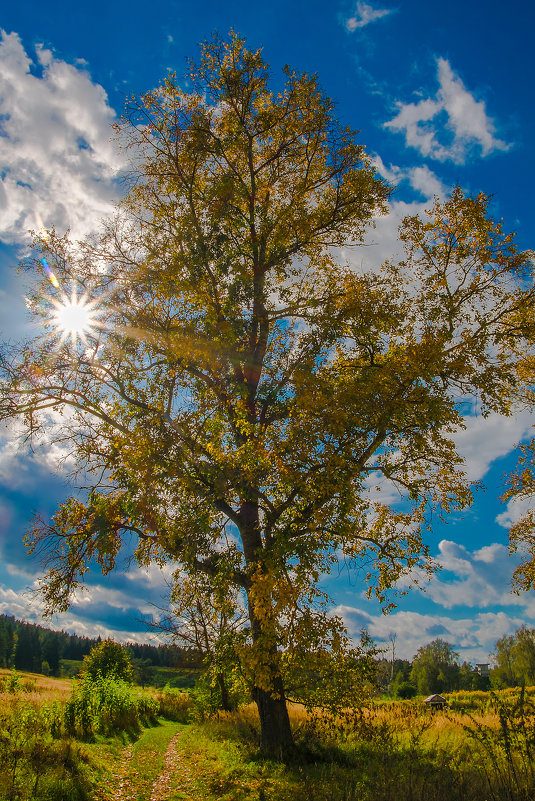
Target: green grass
x,y
148,758
396,751
181,678
70,667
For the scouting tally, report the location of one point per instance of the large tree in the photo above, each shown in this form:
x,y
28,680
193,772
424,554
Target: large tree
x,y
515,658
435,668
239,391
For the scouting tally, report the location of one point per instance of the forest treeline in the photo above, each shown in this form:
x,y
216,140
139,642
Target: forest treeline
x,y
435,668
29,646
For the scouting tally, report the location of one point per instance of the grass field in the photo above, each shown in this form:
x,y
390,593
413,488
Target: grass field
x,y
482,748
184,678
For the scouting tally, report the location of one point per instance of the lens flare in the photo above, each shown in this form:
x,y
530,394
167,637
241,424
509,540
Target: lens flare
x,y
49,274
75,318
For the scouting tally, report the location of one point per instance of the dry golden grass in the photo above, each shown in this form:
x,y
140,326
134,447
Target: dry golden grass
x,y
37,689
403,717
401,721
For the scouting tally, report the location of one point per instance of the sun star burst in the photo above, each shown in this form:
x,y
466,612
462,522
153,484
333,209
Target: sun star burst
x,y
75,318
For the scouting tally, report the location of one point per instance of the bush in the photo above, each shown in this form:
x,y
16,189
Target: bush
x,y
106,705
108,658
406,690
35,765
12,683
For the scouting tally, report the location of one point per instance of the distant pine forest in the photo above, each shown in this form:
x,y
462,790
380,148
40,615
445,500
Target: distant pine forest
x,y
30,647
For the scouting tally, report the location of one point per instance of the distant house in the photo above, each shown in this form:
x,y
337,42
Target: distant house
x,y
483,669
436,702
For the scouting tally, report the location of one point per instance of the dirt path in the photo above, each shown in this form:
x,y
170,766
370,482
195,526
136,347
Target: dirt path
x,y
130,781
122,789
161,788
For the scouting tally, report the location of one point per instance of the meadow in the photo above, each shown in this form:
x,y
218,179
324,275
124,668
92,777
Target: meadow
x,y
60,741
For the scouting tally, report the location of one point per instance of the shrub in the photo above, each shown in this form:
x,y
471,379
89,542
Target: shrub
x,y
35,765
108,658
106,705
174,704
406,690
12,683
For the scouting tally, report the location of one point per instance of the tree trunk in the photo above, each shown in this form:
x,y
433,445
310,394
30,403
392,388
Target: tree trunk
x,y
276,734
225,700
275,730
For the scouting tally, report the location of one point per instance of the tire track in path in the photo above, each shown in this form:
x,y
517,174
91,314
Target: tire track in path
x,y
161,788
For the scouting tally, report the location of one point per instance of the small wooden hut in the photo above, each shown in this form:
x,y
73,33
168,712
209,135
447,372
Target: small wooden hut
x,y
436,702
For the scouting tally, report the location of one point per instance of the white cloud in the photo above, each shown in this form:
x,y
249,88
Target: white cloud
x,y
57,162
466,125
24,606
421,179
486,439
19,460
479,579
424,180
473,637
382,241
364,14
515,510
484,577
96,594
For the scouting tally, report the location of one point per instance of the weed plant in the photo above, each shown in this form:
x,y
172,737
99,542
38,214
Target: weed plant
x,y
39,759
34,763
175,704
105,705
391,752
13,683
507,750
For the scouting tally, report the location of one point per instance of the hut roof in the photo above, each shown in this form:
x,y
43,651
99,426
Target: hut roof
x,y
435,699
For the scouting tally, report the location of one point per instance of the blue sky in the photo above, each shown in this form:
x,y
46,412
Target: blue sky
x,y
442,93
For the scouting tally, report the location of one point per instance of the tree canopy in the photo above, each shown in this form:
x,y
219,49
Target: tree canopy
x,y
521,490
238,390
435,668
108,659
515,659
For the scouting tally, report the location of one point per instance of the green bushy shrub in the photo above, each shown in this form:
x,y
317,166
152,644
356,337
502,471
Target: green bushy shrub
x,y
405,690
108,659
11,683
105,705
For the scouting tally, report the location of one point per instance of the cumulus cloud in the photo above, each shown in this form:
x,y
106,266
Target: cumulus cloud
x,y
126,629
486,439
482,578
421,179
123,607
473,637
57,163
424,181
515,510
478,579
449,125
22,464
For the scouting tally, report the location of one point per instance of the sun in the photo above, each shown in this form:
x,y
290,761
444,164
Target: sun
x,y
75,318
